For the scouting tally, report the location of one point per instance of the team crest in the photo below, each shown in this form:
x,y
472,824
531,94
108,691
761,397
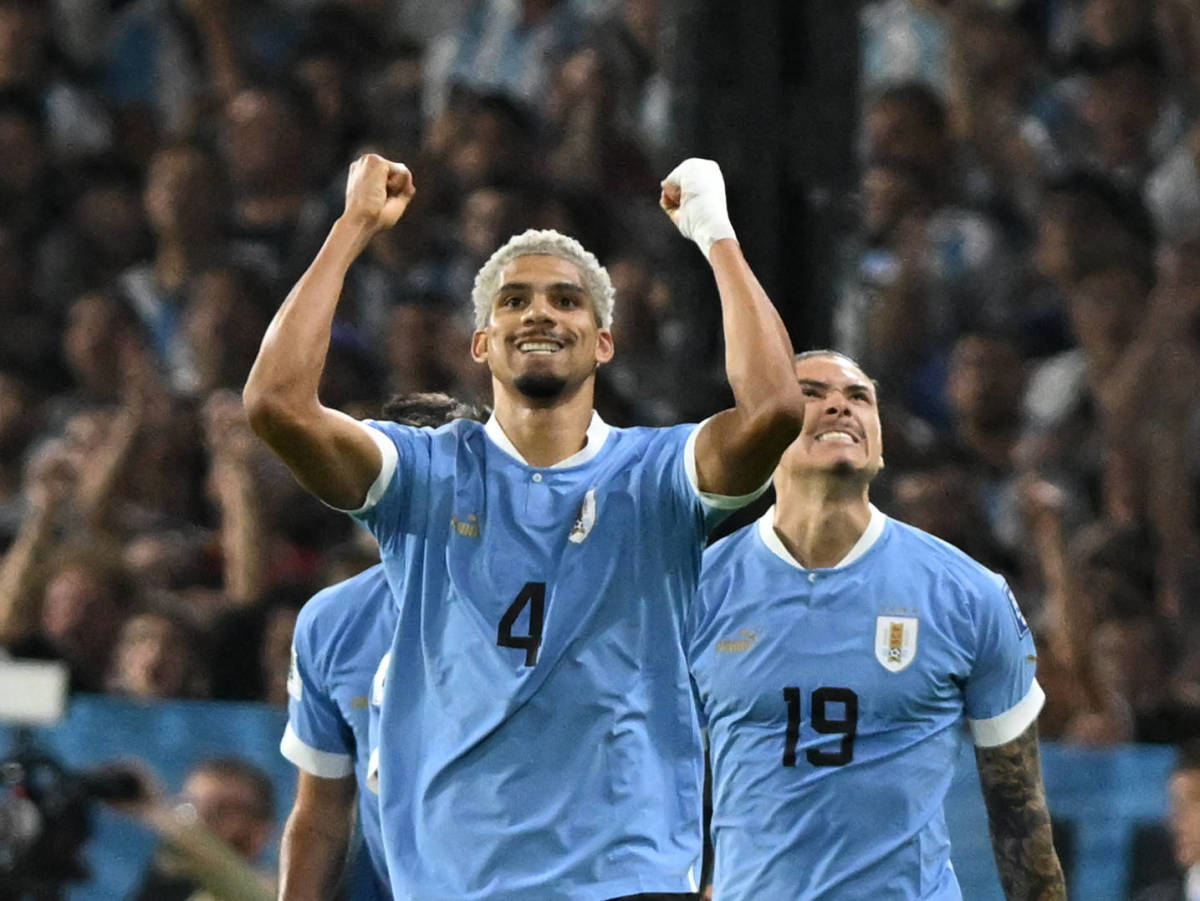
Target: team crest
x,y
895,641
586,519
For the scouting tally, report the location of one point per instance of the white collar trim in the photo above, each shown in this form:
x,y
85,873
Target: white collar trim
x,y
766,531
597,434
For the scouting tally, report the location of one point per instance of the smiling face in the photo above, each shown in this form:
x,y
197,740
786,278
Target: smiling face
x,y
542,338
841,434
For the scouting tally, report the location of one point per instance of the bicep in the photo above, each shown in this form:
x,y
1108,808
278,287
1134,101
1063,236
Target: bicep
x,y
332,455
736,453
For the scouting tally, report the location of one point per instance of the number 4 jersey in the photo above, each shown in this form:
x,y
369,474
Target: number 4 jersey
x,y
835,701
538,737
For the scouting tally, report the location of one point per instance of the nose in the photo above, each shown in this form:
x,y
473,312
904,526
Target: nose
x,y
836,403
539,309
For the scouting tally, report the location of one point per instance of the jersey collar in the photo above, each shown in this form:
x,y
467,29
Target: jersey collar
x,y
766,531
597,433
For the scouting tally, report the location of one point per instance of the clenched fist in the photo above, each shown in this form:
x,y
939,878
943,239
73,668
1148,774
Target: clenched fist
x,y
377,192
693,195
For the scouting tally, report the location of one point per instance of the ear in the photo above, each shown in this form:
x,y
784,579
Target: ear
x,y
479,341
604,346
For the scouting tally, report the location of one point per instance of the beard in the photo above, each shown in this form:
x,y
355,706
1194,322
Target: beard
x,y
541,387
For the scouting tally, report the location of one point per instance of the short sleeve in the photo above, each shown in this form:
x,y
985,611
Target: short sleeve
x,y
317,738
1002,697
716,506
402,477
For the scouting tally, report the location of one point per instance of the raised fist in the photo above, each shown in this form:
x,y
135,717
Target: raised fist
x,y
378,191
693,195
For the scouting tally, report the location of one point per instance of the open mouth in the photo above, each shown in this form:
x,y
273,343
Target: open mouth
x,y
836,436
541,346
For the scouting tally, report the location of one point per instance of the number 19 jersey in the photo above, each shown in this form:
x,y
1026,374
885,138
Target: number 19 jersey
x,y
538,737
835,701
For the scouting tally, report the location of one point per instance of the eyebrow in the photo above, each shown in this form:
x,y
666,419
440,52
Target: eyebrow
x,y
570,287
824,386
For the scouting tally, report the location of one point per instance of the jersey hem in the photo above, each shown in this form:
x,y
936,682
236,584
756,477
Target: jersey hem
x,y
324,764
598,892
1001,729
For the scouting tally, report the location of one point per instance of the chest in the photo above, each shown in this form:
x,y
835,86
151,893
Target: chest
x,y
880,654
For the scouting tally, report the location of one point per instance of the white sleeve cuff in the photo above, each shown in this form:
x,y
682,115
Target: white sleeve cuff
x,y
319,763
387,469
1001,729
715,501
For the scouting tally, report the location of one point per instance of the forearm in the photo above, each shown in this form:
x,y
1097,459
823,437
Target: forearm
x,y
1019,820
225,71
758,351
99,479
207,859
243,543
287,371
18,609
312,856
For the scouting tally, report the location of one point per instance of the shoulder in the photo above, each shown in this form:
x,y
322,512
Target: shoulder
x,y
725,561
451,433
648,438
342,602
918,548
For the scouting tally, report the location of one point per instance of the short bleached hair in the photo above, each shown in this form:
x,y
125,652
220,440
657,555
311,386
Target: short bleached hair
x,y
544,242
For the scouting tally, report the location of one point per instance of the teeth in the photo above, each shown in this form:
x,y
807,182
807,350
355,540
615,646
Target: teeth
x,y
537,347
842,437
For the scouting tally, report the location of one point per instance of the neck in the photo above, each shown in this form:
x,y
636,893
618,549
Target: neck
x,y
820,518
544,434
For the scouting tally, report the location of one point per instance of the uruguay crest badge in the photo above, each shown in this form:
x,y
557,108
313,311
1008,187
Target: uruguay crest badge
x,y
895,641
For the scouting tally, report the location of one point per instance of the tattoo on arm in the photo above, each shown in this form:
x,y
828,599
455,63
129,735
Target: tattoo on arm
x,y
1019,821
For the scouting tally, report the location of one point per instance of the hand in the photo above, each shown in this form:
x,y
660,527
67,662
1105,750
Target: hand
x,y
693,195
377,192
51,476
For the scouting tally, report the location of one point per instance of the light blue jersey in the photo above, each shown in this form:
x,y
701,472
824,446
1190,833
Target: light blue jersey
x,y
538,737
341,635
835,701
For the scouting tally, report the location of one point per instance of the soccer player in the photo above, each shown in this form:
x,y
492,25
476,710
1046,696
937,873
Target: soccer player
x,y
341,635
836,653
538,736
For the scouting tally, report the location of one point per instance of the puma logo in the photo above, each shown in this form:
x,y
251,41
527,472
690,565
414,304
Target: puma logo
x,y
468,529
738,645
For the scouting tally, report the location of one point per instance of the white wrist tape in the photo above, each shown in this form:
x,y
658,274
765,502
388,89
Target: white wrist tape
x,y
703,216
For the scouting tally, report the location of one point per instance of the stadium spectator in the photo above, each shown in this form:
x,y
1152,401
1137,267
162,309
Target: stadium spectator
x,y
213,843
156,657
1183,793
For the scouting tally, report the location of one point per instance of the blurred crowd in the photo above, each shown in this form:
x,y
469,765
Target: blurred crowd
x,y
1023,280
1025,284
167,170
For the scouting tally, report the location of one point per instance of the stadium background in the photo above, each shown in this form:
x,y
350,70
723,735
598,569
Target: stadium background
x,y
993,204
